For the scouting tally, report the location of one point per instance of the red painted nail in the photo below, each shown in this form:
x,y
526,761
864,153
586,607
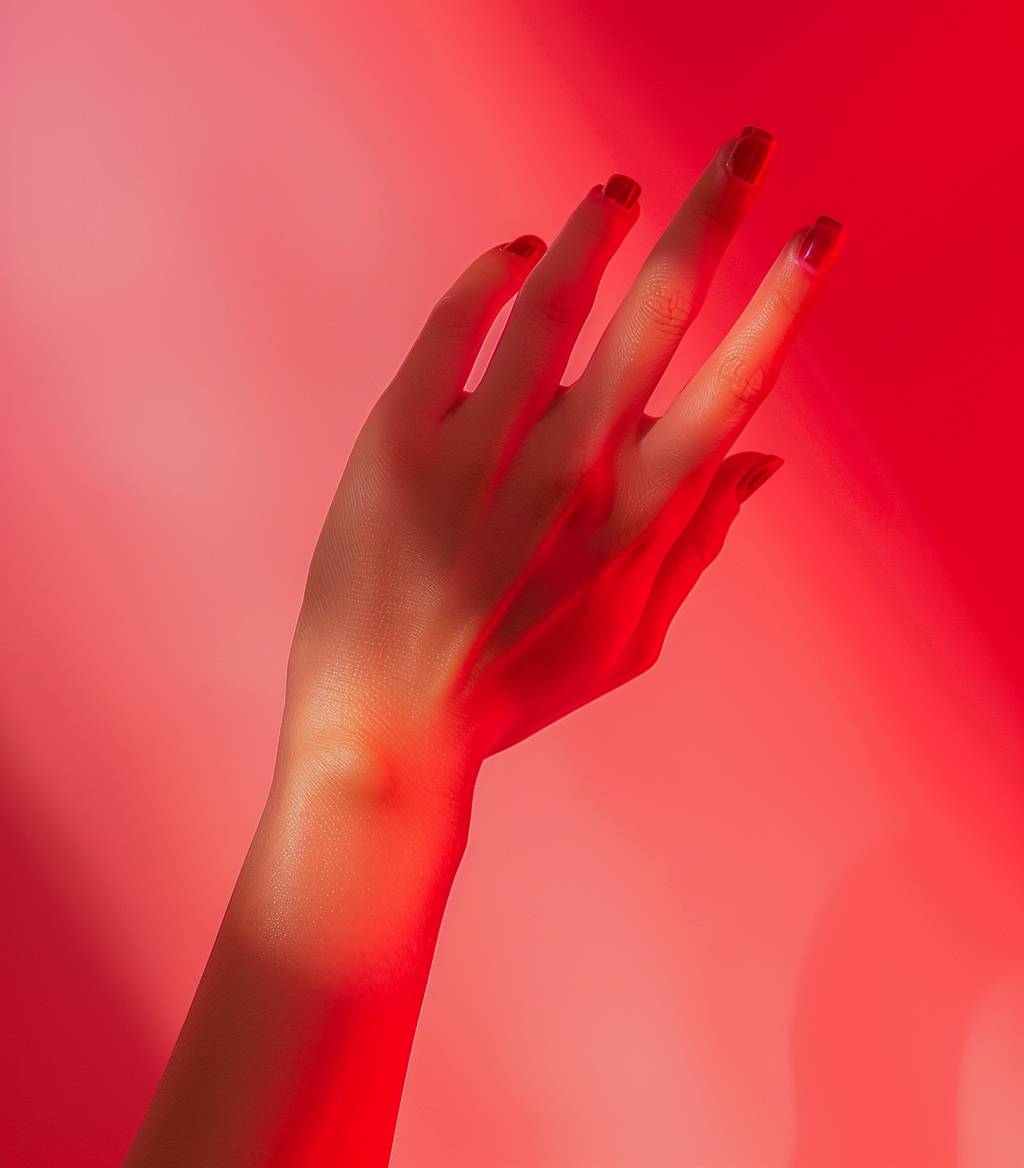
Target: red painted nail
x,y
820,242
759,473
620,188
525,246
751,153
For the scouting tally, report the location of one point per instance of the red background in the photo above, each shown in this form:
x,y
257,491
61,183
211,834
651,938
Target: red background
x,y
761,907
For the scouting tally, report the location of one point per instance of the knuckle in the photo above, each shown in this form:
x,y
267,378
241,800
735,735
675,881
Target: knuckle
x,y
562,477
668,306
592,220
388,445
567,478
555,307
790,294
740,379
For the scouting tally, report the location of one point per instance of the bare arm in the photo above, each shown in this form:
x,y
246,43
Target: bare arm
x,y
296,1045
491,561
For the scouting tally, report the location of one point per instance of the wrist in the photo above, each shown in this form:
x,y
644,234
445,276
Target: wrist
x,y
347,771
347,876
415,760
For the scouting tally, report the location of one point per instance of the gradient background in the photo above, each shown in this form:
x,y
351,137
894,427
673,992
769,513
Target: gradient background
x,y
762,907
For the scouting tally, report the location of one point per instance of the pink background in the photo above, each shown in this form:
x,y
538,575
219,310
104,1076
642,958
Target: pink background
x,y
761,907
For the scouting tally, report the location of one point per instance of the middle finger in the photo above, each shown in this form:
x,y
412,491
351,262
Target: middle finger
x,y
670,288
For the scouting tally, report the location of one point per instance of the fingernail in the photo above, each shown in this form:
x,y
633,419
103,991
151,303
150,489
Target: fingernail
x,y
525,245
820,242
620,188
751,153
758,474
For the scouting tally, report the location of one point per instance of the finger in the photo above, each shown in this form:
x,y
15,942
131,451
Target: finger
x,y
544,325
431,378
704,420
670,288
734,481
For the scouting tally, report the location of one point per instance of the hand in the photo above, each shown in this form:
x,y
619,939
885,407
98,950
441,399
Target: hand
x,y
490,561
493,560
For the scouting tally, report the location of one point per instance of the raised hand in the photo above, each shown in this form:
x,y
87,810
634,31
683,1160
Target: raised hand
x,y
491,560
495,559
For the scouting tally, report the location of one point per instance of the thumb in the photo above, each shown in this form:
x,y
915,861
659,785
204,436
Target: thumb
x,y
735,480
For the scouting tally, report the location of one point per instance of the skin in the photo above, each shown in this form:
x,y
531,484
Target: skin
x,y
491,561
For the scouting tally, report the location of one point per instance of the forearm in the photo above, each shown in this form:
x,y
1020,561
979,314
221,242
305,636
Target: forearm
x,y
296,1046
491,561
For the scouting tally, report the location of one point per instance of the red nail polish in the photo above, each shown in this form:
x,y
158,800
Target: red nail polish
x,y
759,473
751,153
620,188
525,246
820,242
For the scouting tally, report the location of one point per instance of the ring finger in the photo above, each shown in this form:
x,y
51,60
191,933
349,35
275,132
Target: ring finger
x,y
669,289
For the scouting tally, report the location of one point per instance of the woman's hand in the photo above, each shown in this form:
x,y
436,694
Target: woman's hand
x,y
490,562
495,559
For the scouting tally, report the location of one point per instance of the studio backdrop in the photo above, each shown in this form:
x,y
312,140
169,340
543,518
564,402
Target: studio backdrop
x,y
760,908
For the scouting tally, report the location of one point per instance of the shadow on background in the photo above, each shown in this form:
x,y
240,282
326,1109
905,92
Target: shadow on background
x,y
75,1066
